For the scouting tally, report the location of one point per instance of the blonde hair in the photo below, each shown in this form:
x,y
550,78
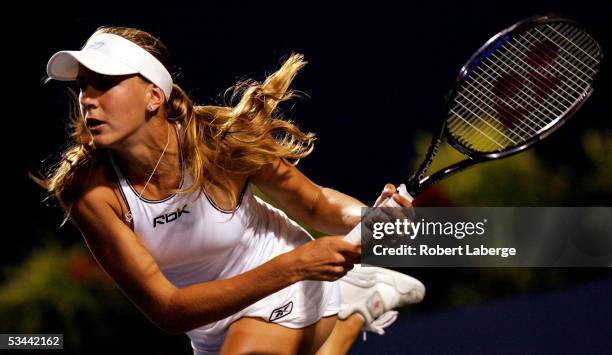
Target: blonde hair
x,y
219,143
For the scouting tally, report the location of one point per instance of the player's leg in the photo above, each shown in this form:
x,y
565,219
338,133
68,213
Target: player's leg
x,y
343,335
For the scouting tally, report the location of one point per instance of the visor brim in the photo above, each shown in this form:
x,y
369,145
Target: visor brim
x,y
64,65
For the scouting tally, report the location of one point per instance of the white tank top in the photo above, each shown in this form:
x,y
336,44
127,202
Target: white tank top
x,y
194,241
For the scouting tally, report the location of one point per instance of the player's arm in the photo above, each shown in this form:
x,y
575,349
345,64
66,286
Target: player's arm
x,y
322,208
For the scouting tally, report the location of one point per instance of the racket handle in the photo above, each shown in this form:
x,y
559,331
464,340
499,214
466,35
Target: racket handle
x,y
354,236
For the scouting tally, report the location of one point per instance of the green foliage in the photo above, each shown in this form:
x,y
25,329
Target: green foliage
x,y
598,147
528,180
59,290
520,180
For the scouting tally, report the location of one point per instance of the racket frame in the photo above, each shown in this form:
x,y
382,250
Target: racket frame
x,y
418,182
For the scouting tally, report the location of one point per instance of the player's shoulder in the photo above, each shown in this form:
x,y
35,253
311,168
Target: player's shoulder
x,y
97,185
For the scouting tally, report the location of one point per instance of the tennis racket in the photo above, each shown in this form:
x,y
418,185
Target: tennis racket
x,y
518,88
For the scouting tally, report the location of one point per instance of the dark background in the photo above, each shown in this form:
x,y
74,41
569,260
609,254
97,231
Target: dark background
x,y
377,74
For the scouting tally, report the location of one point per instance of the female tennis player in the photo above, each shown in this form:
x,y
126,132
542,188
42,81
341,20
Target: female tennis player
x,y
161,190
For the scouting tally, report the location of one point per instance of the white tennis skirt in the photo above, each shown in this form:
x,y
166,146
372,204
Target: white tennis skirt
x,y
297,306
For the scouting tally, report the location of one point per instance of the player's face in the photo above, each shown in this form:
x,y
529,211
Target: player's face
x,y
114,107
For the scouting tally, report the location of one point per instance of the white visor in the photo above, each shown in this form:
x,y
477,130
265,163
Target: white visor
x,y
109,54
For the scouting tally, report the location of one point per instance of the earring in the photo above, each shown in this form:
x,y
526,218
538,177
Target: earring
x,y
151,108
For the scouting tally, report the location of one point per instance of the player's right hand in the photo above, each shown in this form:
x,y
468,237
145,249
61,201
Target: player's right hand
x,y
323,259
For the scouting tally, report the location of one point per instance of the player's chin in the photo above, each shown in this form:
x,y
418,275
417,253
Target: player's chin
x,y
102,140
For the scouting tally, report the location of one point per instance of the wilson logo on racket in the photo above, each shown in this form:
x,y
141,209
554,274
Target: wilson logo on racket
x,y
540,55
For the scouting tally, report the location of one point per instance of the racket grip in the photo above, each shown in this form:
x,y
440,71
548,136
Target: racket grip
x,y
354,236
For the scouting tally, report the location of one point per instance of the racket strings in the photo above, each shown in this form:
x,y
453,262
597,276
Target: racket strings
x,y
523,86
535,85
561,68
534,92
509,84
578,40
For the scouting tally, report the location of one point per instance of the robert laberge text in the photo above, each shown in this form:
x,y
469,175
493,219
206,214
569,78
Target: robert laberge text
x,y
426,250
